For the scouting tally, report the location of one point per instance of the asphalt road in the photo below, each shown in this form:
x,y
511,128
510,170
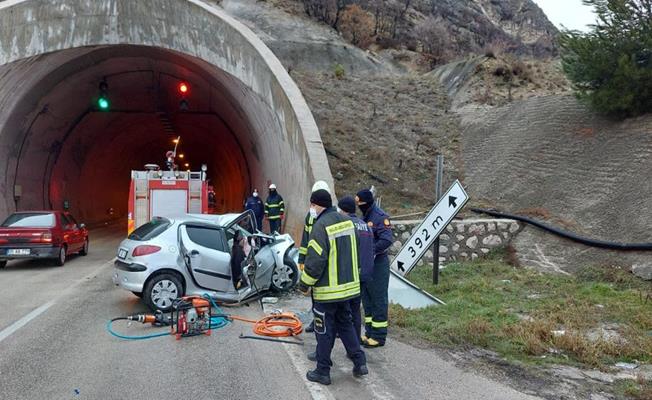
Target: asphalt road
x,y
54,345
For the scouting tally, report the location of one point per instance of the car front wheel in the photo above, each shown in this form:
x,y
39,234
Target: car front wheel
x,y
285,276
61,258
161,291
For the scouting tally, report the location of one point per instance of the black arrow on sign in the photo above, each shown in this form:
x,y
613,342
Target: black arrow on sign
x,y
451,201
400,266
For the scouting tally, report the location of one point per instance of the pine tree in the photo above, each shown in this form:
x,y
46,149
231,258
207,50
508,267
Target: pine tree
x,y
611,65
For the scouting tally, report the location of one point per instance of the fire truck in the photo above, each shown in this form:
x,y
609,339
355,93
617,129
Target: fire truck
x,y
157,193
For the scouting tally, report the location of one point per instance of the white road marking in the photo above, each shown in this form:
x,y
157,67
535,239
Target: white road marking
x,y
5,333
302,365
11,329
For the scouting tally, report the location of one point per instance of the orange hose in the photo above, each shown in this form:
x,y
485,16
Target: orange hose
x,y
275,325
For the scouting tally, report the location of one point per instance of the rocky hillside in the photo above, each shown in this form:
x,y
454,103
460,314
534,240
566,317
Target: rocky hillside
x,y
519,25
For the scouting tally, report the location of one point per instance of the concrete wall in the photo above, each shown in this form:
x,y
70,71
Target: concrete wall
x,y
463,239
285,144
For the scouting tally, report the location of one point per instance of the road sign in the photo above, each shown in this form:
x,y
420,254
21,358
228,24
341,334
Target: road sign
x,y
432,226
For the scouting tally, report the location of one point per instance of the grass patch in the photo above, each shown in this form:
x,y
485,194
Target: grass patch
x,y
638,390
595,318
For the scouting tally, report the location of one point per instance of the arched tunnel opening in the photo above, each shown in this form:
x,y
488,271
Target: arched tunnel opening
x,y
76,154
243,117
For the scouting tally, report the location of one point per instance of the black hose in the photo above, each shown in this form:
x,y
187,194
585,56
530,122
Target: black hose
x,y
569,235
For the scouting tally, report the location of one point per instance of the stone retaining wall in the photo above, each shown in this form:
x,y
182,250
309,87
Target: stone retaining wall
x,y
463,239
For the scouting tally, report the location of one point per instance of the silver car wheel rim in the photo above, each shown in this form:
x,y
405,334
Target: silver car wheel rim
x,y
62,255
281,276
163,293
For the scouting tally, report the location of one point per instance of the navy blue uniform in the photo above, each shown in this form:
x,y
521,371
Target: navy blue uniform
x,y
366,263
275,211
256,205
374,293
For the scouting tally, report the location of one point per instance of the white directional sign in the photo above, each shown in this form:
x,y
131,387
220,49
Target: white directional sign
x,y
432,226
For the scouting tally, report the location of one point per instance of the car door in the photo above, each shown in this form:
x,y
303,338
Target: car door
x,y
76,232
69,234
207,256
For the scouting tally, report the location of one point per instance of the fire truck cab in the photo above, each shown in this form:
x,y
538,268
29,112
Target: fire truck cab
x,y
157,193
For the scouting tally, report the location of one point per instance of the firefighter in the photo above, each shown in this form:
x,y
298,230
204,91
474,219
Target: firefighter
x,y
274,210
255,204
307,228
331,269
374,294
365,256
169,160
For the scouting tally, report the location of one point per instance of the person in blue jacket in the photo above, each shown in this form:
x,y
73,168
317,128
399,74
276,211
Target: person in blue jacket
x,y
374,295
255,204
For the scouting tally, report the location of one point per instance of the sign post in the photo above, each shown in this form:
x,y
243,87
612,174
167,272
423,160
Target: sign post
x,y
435,247
430,228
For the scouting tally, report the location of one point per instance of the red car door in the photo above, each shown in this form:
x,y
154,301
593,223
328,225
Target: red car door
x,y
69,233
78,232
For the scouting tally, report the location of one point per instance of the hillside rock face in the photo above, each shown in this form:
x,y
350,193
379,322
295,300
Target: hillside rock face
x,y
519,25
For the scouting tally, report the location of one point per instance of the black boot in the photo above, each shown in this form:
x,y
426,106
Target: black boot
x,y
314,376
360,370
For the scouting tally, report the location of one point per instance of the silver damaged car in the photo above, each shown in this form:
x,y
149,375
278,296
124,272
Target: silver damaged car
x,y
191,255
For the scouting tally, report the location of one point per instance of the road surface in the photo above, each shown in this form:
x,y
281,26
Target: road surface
x,y
54,345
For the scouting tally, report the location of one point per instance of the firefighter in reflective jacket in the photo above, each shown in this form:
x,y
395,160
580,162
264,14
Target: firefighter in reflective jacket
x,y
331,269
274,209
374,293
307,228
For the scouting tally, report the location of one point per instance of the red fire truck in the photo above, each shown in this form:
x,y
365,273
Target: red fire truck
x,y
157,193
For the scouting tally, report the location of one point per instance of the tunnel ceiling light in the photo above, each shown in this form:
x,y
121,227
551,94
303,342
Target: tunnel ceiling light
x,y
187,165
184,88
181,156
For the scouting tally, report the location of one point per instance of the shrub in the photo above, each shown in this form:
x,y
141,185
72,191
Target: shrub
x,y
338,69
357,26
611,65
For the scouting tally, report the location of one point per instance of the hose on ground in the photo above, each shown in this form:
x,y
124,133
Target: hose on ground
x,y
568,235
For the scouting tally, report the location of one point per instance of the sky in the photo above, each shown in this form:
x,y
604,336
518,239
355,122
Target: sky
x,y
572,14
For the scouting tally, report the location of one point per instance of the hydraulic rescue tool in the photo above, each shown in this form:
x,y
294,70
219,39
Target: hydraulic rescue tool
x,y
193,315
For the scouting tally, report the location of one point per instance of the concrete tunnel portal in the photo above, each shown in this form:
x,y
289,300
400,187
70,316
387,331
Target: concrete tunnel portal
x,y
243,116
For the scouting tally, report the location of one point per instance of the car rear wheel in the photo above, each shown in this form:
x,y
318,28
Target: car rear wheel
x,y
61,258
3,264
84,250
285,276
161,290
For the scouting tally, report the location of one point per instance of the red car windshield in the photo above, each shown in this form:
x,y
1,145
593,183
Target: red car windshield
x,y
30,220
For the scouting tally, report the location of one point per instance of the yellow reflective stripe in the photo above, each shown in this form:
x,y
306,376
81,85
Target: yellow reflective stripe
x,y
375,324
367,320
339,288
340,228
354,259
307,279
307,228
313,243
337,295
273,205
274,217
303,250
332,265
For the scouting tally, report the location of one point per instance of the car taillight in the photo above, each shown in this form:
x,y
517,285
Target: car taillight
x,y
46,238
145,250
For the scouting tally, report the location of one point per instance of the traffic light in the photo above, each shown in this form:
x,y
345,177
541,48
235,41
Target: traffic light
x,y
103,102
184,90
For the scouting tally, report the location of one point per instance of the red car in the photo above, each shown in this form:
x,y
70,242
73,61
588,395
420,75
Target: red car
x,y
41,234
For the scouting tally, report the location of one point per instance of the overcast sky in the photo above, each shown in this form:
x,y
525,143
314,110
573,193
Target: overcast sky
x,y
572,14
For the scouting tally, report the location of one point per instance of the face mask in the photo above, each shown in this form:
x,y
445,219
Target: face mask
x,y
255,194
313,213
364,207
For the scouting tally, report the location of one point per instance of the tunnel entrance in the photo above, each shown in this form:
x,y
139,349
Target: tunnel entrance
x,y
90,159
243,115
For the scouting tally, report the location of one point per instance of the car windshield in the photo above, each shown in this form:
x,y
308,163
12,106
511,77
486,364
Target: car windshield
x,y
150,230
29,220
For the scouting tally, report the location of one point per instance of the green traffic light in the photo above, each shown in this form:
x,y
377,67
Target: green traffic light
x,y
103,103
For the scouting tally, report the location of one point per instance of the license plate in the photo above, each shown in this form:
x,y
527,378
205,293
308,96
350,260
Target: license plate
x,y
18,252
122,253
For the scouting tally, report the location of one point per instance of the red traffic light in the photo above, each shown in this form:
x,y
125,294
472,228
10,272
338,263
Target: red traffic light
x,y
183,88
